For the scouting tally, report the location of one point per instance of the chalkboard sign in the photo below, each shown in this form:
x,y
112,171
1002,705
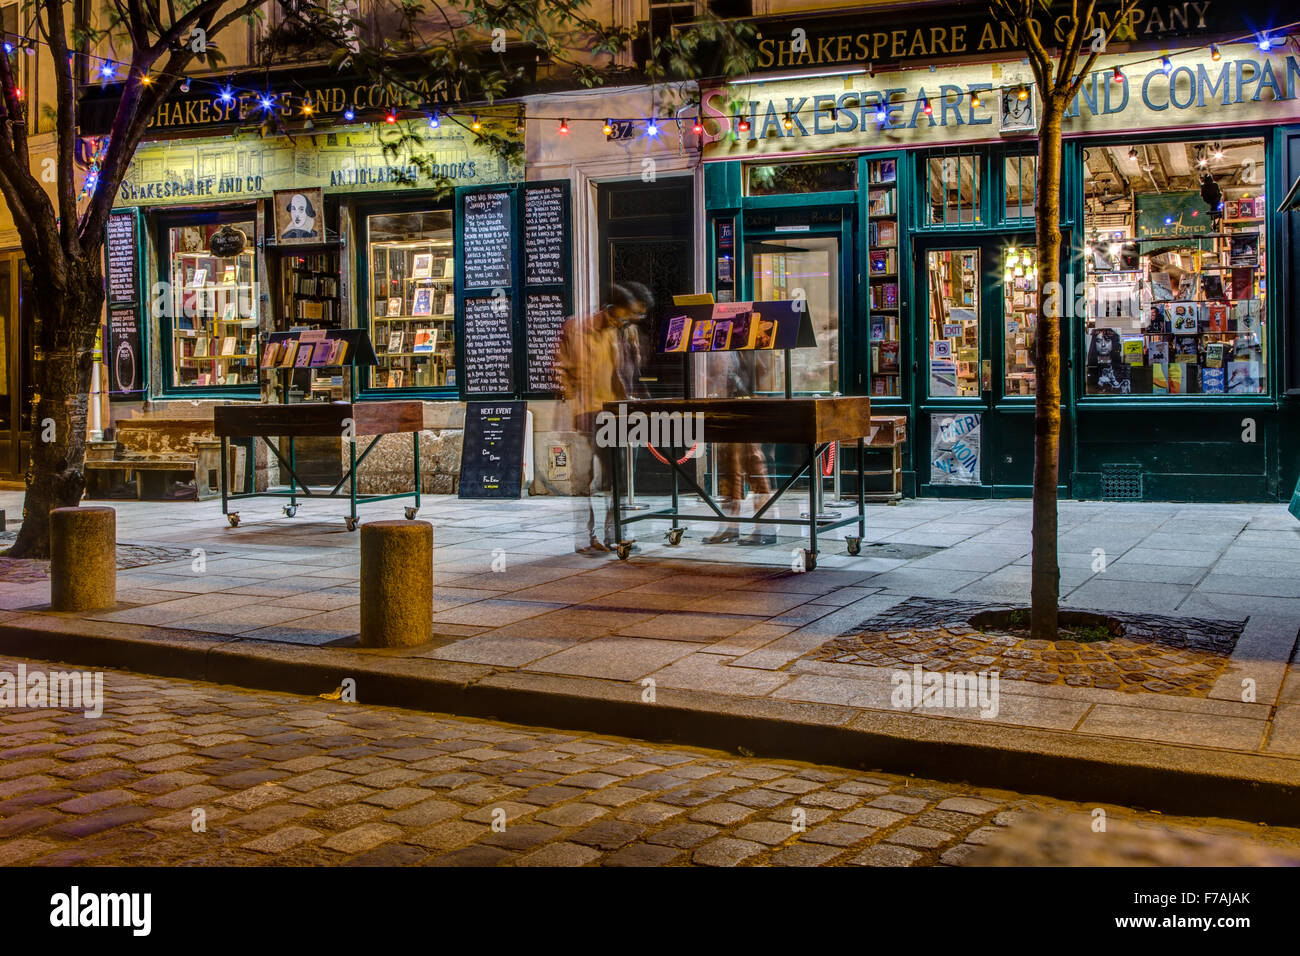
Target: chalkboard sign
x,y
492,450
124,341
489,346
544,316
487,239
545,242
512,241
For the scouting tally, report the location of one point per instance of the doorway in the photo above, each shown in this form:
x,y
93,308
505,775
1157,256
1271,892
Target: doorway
x,y
978,310
16,319
646,235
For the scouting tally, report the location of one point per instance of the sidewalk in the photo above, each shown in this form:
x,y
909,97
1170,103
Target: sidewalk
x,y
744,652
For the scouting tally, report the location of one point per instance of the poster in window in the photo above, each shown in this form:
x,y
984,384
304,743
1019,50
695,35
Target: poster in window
x,y
955,449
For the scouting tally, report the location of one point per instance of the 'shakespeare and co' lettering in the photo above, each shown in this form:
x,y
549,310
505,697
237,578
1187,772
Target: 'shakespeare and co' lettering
x,y
1224,91
978,34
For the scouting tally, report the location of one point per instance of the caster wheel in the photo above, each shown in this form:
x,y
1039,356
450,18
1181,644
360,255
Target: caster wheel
x,y
675,536
855,545
233,518
290,510
624,550
809,560
411,513
351,523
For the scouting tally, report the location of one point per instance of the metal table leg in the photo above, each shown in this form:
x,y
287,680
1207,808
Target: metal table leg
x,y
862,491
225,477
415,446
814,480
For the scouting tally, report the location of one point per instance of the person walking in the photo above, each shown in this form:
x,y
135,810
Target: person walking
x,y
593,364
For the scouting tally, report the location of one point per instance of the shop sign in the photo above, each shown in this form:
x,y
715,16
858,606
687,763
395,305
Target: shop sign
x,y
1244,86
202,106
227,242
955,449
357,159
924,32
1172,214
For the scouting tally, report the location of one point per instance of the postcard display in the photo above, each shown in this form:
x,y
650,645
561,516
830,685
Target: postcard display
x,y
882,276
335,350
814,424
307,296
513,288
1180,315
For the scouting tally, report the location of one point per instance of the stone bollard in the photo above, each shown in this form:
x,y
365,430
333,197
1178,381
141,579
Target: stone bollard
x,y
83,559
396,583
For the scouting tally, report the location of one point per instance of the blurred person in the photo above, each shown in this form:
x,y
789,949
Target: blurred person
x,y
592,362
731,375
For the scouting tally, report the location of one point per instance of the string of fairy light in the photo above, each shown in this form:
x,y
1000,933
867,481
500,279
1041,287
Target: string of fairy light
x,y
107,69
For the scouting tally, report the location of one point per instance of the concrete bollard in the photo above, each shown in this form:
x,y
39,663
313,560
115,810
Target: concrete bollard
x,y
83,559
396,583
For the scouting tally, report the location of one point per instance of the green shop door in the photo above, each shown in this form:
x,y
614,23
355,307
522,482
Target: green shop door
x,y
977,312
813,262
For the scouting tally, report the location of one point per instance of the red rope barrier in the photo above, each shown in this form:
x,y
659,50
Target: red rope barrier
x,y
690,453
828,459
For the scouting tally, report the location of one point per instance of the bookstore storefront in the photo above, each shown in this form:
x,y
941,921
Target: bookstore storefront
x,y
242,236
902,207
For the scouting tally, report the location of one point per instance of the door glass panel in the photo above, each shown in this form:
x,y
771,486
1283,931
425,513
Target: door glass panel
x,y
1020,288
6,347
779,269
954,354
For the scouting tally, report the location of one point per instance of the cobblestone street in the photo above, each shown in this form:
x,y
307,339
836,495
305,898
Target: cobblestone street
x,y
281,779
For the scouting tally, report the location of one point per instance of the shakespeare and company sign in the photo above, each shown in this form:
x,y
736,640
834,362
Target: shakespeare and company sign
x,y
349,159
1246,86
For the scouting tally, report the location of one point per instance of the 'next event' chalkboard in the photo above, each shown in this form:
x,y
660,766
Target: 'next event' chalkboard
x,y
492,450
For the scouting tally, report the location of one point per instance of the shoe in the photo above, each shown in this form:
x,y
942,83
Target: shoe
x,y
726,536
595,545
755,539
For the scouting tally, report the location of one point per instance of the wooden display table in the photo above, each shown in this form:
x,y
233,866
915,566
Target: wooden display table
x,y
814,423
319,419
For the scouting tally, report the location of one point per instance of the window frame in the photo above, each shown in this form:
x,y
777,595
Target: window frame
x,y
1073,193
164,222
362,210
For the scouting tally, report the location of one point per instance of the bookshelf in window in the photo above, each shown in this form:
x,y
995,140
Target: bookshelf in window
x,y
883,251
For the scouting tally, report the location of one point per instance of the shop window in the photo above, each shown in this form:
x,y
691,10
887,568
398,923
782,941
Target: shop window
x,y
412,299
952,188
1175,257
213,302
1020,190
769,179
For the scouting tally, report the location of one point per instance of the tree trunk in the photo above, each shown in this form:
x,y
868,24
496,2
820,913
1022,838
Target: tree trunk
x,y
1045,582
61,367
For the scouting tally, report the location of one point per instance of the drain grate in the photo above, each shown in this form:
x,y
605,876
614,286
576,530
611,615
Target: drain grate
x,y
1121,482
